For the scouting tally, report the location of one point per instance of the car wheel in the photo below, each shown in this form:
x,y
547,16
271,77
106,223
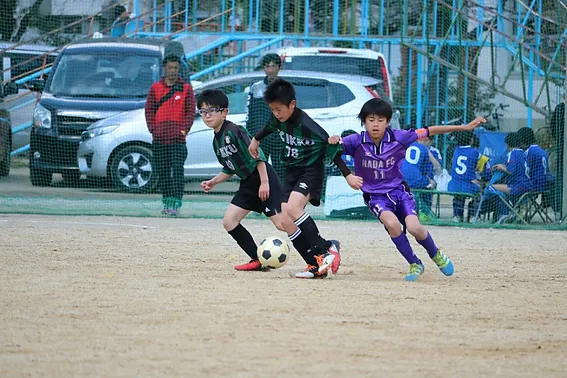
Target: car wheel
x,y
71,177
6,158
131,170
40,177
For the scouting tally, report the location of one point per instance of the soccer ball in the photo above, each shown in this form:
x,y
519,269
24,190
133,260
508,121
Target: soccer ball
x,y
273,252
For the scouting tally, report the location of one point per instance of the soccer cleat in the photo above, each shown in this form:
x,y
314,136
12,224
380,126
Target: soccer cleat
x,y
415,271
335,249
249,266
325,262
310,272
443,263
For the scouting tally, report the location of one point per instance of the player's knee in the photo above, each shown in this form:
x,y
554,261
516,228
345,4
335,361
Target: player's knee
x,y
229,224
294,212
417,230
286,224
393,227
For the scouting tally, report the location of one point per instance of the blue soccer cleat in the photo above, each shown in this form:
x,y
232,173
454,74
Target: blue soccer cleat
x,y
415,271
443,263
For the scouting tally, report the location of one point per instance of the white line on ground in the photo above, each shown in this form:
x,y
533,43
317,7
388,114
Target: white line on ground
x,y
90,223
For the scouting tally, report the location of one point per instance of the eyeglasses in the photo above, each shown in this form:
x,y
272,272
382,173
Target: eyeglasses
x,y
210,111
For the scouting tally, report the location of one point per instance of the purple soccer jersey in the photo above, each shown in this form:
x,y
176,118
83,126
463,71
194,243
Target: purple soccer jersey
x,y
380,169
380,165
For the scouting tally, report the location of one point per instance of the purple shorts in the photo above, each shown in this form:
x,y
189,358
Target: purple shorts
x,y
399,201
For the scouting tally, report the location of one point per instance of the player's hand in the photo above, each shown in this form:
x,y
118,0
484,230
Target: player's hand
x,y
207,185
354,182
253,148
264,191
335,139
499,167
474,123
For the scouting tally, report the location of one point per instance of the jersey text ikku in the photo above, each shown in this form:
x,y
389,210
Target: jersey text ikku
x,y
231,147
305,142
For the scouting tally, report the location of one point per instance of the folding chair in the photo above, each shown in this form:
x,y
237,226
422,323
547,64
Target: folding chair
x,y
496,178
517,206
537,208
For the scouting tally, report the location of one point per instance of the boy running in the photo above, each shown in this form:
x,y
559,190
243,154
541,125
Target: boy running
x,y
378,154
305,148
259,190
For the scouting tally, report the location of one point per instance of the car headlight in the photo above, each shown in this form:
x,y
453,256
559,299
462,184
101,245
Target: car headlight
x,y
98,131
41,117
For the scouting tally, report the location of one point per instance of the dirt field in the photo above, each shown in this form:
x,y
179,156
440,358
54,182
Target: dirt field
x,y
103,296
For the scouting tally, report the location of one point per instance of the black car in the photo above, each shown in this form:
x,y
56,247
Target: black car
x,y
90,80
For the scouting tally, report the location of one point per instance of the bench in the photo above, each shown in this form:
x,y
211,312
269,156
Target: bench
x,y
438,195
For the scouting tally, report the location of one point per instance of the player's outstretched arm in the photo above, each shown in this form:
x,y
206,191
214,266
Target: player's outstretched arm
x,y
253,148
255,142
264,190
210,184
353,181
437,130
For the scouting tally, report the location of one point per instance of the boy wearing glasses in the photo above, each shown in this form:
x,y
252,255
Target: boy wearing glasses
x,y
260,189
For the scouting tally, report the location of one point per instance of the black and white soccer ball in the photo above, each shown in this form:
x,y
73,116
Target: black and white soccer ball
x,y
273,252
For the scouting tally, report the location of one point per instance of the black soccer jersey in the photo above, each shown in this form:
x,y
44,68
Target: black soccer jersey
x,y
231,147
305,141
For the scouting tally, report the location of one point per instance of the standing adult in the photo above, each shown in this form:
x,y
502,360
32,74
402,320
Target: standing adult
x,y
170,112
259,114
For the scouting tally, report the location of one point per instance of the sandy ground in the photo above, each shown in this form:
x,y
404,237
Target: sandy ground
x,y
137,297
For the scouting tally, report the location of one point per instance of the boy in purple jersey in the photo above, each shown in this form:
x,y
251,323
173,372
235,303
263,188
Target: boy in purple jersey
x,y
378,154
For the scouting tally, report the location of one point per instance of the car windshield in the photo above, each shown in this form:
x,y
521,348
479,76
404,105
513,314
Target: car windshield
x,y
339,64
105,75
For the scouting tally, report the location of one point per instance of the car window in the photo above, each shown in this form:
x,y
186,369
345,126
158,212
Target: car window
x,y
312,96
340,64
339,94
105,75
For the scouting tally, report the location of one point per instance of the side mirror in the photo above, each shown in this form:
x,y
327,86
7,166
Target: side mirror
x,y
10,89
36,85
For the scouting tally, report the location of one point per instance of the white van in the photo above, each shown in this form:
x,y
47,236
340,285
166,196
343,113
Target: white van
x,y
361,62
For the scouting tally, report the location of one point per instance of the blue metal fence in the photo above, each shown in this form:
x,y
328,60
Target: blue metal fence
x,y
428,35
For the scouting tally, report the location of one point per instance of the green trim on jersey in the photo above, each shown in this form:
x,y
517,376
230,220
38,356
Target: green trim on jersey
x,y
305,142
231,148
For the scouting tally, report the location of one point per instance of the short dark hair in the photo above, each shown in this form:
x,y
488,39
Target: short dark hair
x,y
213,97
512,140
526,136
376,107
119,10
280,90
271,58
171,58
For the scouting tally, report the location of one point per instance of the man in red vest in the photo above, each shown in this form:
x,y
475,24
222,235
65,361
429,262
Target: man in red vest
x,y
170,112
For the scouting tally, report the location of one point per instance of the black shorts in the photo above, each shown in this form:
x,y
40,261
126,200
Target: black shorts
x,y
247,195
305,180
